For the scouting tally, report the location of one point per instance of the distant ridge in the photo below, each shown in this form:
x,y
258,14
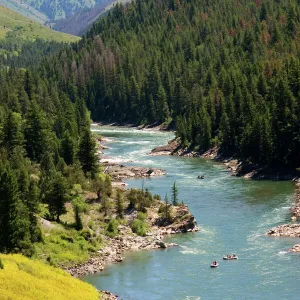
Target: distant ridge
x,y
26,10
10,21
70,16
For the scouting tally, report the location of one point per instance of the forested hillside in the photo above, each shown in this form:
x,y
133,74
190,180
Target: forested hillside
x,y
226,72
41,133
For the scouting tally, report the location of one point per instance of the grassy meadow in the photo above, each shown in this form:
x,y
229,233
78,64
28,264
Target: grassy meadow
x,y
25,279
28,29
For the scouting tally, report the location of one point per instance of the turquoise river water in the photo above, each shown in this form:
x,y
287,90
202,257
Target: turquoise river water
x,y
233,213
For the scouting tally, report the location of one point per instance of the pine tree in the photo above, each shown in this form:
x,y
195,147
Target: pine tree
x,y
79,205
167,208
98,187
14,217
120,205
32,203
105,204
68,148
87,153
174,192
107,186
78,221
35,133
12,135
56,196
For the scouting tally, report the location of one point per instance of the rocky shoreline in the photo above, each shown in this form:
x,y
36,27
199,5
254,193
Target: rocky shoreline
x,y
246,170
182,222
238,167
290,230
119,172
295,249
286,230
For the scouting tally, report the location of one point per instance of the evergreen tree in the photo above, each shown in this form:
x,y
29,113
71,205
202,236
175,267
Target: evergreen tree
x,y
120,205
12,135
68,148
167,208
35,133
105,204
79,205
56,196
174,192
14,217
87,153
32,203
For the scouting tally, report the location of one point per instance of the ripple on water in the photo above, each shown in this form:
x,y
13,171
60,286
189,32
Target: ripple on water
x,y
236,212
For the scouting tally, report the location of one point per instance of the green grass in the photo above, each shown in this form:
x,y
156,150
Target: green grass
x,y
66,247
25,279
28,29
26,10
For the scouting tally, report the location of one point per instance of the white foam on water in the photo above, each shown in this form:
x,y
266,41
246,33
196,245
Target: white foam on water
x,y
192,251
277,215
115,160
134,142
282,253
147,162
193,298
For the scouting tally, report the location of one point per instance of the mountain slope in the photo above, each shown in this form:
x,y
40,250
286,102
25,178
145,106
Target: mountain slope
x,y
11,21
225,72
70,16
23,8
80,22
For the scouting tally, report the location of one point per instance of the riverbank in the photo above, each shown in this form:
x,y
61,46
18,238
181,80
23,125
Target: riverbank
x,y
126,240
118,172
237,166
153,127
290,230
125,237
241,169
257,205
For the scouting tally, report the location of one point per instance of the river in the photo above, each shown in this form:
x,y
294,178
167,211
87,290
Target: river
x,y
233,214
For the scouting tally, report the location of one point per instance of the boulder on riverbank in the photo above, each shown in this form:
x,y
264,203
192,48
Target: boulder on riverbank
x,y
169,149
119,172
287,230
295,249
183,221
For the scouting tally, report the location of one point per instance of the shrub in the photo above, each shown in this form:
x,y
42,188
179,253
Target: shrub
x,y
141,216
139,227
1,264
157,197
112,228
140,199
86,234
